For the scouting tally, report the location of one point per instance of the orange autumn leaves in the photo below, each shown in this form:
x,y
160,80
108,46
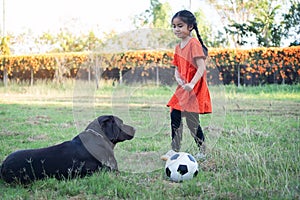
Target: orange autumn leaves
x,y
22,63
263,57
261,61
143,59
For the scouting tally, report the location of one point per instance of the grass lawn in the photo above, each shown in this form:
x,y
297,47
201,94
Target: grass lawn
x,y
252,138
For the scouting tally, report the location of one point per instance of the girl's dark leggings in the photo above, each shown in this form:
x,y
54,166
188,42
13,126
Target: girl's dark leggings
x,y
193,123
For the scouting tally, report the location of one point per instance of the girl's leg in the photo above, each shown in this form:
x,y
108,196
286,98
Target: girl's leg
x,y
176,127
193,123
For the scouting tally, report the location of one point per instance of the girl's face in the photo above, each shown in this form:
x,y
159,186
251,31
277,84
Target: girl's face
x,y
181,29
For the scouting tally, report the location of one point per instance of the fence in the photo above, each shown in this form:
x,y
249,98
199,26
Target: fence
x,y
229,66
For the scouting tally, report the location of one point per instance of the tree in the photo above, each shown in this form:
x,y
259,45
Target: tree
x,y
233,12
291,23
4,46
266,29
244,19
5,50
66,41
157,16
263,28
161,14
210,38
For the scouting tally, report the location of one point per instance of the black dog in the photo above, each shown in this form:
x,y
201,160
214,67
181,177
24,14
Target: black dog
x,y
88,152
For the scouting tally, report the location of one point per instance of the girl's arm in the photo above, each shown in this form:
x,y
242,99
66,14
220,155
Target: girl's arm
x,y
200,64
178,78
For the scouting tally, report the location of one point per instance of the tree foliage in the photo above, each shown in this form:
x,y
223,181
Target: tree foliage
x,y
210,37
66,41
263,28
245,22
4,46
256,22
157,16
291,23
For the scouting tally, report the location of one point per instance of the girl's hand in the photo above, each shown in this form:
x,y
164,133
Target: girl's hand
x,y
188,87
178,78
180,81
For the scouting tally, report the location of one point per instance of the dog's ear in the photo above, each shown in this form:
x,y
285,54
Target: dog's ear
x,y
116,128
109,127
104,118
118,121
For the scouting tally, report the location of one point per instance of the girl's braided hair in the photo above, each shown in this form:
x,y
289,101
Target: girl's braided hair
x,y
189,18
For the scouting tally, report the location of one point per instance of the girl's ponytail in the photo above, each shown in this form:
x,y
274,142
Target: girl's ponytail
x,y
205,50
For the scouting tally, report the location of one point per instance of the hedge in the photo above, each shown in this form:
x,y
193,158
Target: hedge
x,y
239,66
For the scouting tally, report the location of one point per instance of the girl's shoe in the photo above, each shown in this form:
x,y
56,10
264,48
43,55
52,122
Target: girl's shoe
x,y
168,155
200,156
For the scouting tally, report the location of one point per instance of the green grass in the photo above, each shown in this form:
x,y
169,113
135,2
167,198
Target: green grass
x,y
252,137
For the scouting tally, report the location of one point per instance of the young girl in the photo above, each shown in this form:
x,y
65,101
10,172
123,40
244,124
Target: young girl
x,y
191,97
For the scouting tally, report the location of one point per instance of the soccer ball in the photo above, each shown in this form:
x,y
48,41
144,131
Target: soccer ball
x,y
181,167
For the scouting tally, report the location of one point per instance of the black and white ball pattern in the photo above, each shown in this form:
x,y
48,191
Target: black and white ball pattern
x,y
181,166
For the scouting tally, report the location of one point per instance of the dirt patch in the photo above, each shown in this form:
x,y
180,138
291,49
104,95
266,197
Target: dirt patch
x,y
208,165
270,107
39,119
11,133
66,125
37,138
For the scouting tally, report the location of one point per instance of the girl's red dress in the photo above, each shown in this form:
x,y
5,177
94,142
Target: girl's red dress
x,y
198,100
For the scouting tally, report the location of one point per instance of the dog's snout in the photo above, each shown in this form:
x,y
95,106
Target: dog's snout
x,y
129,130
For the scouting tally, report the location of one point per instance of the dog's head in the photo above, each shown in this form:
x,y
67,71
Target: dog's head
x,y
114,128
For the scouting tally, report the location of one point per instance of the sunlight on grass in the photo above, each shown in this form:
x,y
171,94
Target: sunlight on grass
x,y
284,92
252,138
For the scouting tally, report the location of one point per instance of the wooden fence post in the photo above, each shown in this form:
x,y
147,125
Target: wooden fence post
x,y
89,74
239,76
97,65
157,75
121,76
5,77
31,76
